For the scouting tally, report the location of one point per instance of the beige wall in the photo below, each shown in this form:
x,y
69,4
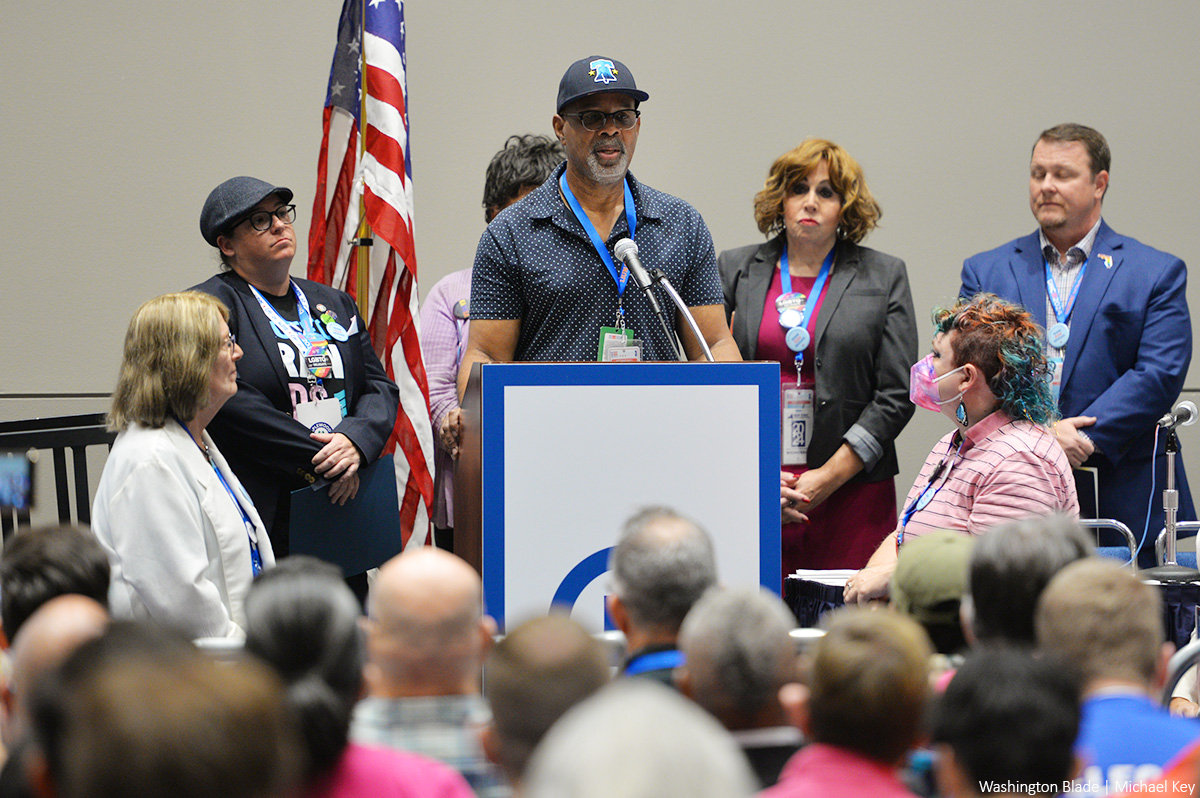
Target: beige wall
x,y
120,117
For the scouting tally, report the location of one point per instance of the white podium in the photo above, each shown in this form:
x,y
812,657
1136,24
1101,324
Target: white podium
x,y
556,456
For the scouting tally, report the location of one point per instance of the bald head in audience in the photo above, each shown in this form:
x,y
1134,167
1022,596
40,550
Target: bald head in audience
x,y
426,631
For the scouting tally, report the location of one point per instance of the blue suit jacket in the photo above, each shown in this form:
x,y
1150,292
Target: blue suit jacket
x,y
1130,346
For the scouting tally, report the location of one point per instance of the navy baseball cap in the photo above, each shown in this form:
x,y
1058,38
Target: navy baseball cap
x,y
233,199
594,75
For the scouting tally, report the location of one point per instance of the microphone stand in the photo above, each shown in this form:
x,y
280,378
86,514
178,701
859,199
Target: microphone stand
x,y
662,320
657,277
1170,570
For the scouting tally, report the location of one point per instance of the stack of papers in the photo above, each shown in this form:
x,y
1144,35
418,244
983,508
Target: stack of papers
x,y
836,577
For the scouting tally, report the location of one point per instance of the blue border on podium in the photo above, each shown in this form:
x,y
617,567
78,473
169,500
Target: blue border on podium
x,y
496,377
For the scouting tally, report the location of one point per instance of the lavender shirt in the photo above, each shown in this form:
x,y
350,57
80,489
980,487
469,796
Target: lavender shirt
x,y
443,341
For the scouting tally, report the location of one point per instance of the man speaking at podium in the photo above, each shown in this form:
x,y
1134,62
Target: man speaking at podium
x,y
1118,334
546,284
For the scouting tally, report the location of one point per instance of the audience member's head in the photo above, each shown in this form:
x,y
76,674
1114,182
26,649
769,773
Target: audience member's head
x,y
141,713
1106,623
738,654
929,583
427,634
302,620
868,684
661,566
54,630
44,562
1007,717
1010,567
521,166
536,673
638,739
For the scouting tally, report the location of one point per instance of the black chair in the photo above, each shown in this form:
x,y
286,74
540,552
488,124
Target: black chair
x,y
58,434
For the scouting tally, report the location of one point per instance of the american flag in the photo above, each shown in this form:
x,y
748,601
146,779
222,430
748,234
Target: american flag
x,y
382,178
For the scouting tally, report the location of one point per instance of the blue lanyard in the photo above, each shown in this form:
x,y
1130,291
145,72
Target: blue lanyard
x,y
622,277
656,661
921,502
814,297
1061,313
255,557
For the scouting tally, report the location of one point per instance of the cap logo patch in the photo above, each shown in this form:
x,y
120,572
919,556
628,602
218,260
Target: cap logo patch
x,y
604,70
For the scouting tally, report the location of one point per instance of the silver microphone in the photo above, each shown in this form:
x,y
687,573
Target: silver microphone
x,y
627,252
1184,415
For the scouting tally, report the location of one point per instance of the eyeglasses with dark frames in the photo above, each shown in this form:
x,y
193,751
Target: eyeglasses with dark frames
x,y
593,120
261,220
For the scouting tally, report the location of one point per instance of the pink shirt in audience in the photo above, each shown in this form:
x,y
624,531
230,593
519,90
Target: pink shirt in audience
x,y
368,772
828,770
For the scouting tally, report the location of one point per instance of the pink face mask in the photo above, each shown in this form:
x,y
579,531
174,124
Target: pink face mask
x,y
922,385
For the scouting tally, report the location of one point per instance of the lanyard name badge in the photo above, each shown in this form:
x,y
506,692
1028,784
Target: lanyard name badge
x,y
255,557
616,342
319,415
925,497
1059,333
796,315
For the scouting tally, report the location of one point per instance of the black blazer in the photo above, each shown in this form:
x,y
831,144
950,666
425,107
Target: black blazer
x,y
865,344
270,451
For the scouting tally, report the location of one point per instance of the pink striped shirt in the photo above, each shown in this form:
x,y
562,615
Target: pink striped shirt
x,y
1005,470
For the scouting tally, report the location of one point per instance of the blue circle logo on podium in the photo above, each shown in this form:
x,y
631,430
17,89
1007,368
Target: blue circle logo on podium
x,y
578,580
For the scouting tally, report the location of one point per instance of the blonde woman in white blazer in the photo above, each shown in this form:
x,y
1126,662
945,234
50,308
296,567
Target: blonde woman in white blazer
x,y
181,533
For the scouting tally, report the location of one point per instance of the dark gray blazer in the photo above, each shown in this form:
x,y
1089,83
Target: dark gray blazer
x,y
866,342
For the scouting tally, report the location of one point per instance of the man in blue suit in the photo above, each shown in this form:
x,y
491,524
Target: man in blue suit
x,y
1118,332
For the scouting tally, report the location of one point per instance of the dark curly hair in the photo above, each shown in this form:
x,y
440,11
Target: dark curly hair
x,y
524,161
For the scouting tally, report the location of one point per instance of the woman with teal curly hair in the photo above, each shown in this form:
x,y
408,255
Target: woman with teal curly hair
x,y
987,373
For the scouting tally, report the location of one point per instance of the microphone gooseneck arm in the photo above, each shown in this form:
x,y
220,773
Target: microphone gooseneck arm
x,y
627,252
660,278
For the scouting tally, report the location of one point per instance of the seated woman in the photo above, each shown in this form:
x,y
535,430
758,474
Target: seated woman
x,y
182,535
303,621
988,374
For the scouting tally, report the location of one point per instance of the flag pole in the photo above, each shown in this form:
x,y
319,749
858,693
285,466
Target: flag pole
x,y
362,245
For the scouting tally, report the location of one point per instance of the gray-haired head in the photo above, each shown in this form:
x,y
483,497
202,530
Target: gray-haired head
x,y
1010,566
638,739
661,566
739,654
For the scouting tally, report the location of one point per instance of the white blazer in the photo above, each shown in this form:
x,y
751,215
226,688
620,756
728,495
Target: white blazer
x,y
179,549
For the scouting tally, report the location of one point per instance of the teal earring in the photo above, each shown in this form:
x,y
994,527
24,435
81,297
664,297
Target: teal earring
x,y
960,413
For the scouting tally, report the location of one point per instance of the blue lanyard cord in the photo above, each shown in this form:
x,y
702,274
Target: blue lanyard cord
x,y
921,502
785,284
621,277
656,661
1063,313
255,556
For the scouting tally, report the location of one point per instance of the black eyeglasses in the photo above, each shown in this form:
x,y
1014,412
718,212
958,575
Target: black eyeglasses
x,y
261,220
230,342
625,119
